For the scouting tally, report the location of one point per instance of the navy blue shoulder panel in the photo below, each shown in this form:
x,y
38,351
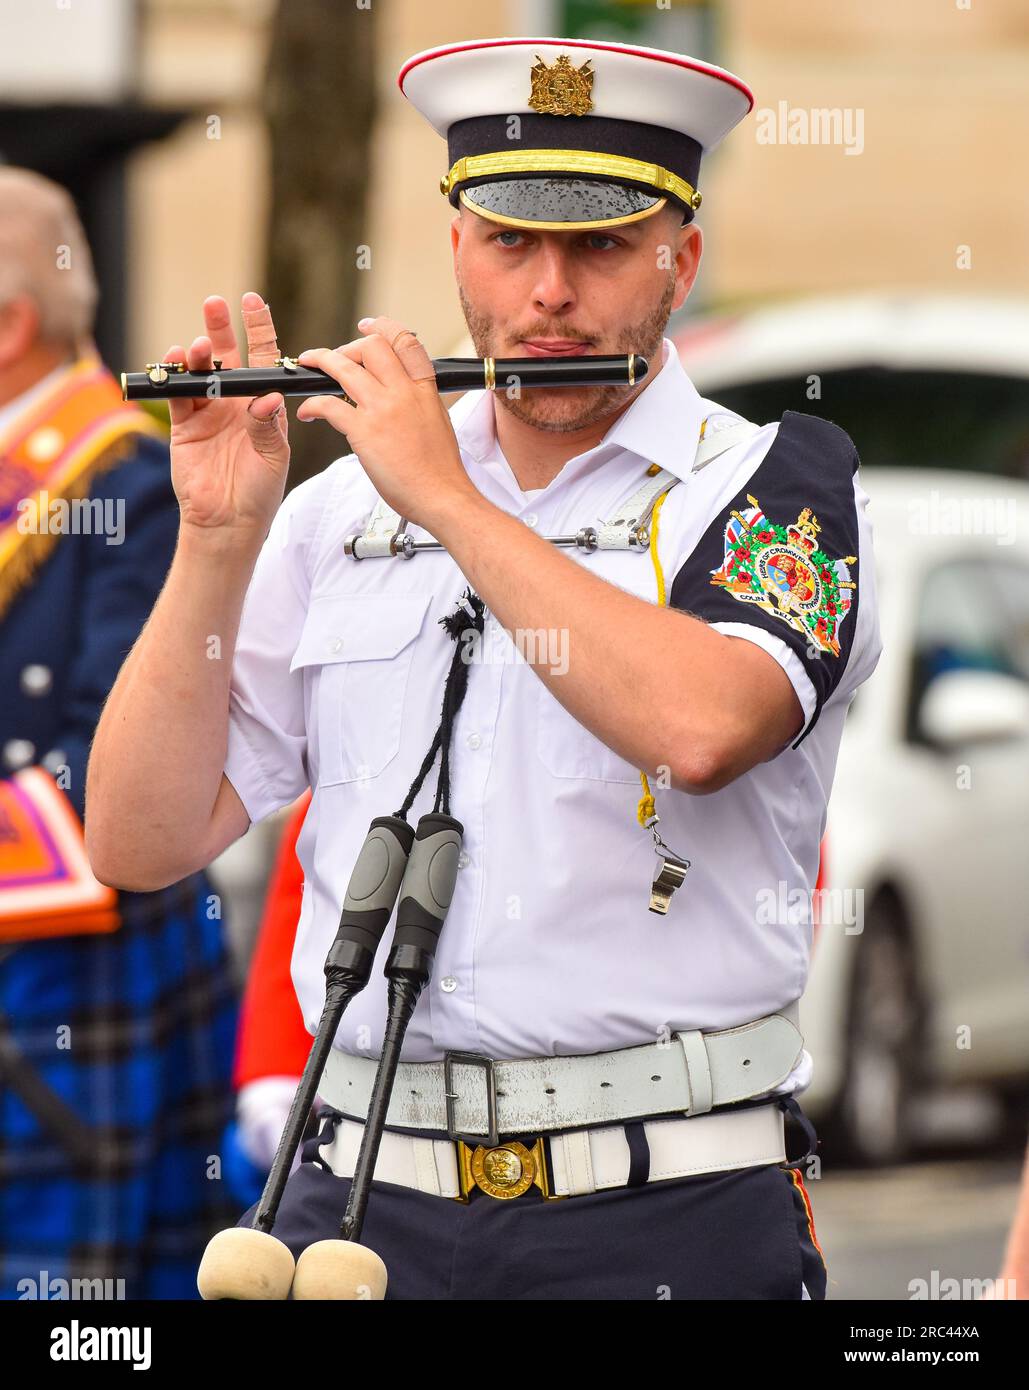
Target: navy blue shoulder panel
x,y
781,555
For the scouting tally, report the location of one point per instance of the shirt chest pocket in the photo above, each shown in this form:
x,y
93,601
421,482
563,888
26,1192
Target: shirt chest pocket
x,y
566,748
356,652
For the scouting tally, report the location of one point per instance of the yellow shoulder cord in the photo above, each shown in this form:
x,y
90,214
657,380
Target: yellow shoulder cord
x,y
673,866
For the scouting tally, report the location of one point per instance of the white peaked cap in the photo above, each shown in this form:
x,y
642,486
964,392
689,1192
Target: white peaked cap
x,y
607,132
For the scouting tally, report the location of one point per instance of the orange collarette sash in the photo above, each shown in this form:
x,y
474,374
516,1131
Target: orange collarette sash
x,y
51,453
47,887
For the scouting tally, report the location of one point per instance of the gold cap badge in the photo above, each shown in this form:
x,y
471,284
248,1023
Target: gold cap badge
x,y
561,90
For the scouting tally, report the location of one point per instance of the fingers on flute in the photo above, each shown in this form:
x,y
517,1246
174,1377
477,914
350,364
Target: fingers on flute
x,y
264,407
330,408
218,322
354,350
354,379
400,343
198,358
380,359
262,346
178,410
373,355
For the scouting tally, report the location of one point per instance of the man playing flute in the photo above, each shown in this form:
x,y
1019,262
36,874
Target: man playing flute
x,y
633,1028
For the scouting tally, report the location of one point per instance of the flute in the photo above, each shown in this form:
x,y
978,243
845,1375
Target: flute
x,y
163,381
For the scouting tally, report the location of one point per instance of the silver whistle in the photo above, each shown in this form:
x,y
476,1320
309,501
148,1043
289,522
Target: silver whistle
x,y
670,877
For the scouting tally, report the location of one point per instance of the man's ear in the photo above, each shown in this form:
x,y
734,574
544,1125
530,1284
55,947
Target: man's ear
x,y
687,262
455,234
19,328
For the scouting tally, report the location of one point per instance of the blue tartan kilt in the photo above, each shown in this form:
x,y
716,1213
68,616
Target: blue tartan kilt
x,y
131,1035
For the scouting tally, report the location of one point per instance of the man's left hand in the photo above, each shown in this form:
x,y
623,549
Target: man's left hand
x,y
399,429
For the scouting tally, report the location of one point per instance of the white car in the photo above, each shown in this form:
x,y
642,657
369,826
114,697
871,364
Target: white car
x,y
920,973
920,969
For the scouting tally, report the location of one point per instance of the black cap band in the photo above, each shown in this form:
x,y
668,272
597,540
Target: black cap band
x,y
480,135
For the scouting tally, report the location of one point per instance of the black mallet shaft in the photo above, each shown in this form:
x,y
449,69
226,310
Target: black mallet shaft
x,y
425,895
227,1269
367,907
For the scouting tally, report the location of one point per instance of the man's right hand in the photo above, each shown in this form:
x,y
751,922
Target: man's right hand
x,y
229,456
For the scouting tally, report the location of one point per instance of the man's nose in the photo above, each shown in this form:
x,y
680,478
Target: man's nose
x,y
553,293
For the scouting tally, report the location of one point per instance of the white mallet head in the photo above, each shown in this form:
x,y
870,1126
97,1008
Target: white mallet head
x,y
339,1269
245,1264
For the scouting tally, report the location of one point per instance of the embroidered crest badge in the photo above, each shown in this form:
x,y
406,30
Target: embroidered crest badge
x,y
561,90
785,572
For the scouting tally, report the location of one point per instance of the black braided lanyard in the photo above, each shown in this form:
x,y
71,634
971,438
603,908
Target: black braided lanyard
x,y
469,617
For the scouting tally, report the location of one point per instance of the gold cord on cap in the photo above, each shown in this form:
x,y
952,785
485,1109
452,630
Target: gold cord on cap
x,y
615,166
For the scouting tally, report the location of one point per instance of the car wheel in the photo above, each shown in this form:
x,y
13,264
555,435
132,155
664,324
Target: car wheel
x,y
871,1120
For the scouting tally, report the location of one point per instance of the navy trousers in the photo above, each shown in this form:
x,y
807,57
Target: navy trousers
x,y
743,1234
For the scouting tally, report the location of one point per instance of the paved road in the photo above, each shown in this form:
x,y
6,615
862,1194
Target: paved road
x,y
881,1230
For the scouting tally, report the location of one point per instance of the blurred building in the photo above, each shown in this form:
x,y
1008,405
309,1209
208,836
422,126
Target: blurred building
x,y
930,202
883,149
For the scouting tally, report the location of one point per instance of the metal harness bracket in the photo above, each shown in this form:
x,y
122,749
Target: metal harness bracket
x,y
386,536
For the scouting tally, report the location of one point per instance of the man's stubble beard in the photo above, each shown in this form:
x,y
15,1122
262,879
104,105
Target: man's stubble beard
x,y
573,408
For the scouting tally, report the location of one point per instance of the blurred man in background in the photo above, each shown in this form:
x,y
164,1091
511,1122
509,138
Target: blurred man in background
x,y
115,1035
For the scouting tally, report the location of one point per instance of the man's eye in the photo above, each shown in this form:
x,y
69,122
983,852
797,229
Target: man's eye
x,y
600,237
516,238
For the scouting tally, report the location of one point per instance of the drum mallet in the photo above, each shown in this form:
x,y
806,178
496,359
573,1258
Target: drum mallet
x,y
341,1268
248,1262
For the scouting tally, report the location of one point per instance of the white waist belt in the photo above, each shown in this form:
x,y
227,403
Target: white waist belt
x,y
584,1161
479,1099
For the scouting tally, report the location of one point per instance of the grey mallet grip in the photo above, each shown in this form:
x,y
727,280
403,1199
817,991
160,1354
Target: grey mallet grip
x,y
429,880
367,907
425,896
374,884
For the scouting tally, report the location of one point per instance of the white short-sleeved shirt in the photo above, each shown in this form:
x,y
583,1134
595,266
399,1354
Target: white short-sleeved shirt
x,y
549,947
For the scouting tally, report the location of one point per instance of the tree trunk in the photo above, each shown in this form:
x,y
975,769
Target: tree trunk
x,y
320,108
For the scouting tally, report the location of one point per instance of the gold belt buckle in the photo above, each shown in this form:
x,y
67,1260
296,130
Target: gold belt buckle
x,y
503,1171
